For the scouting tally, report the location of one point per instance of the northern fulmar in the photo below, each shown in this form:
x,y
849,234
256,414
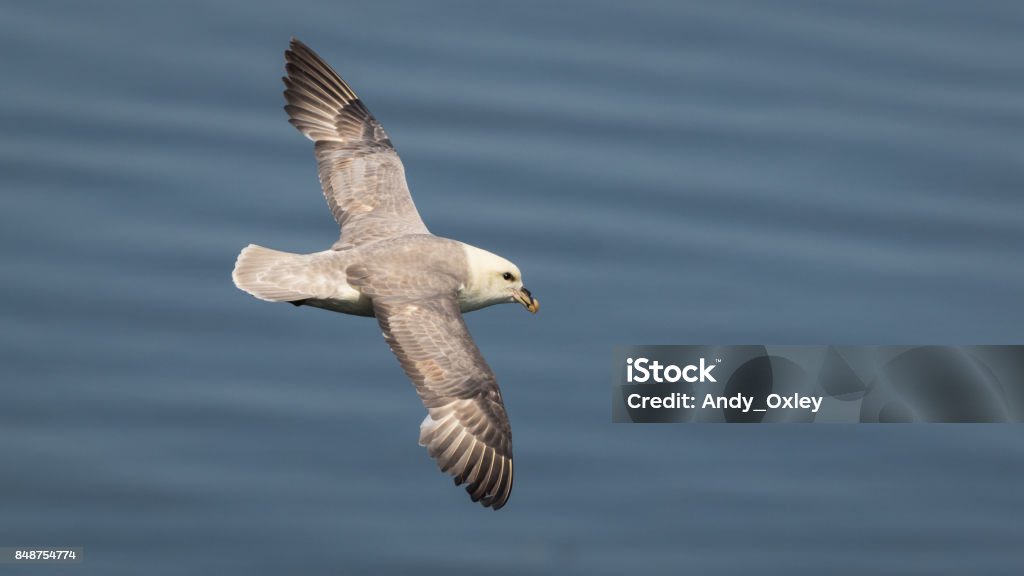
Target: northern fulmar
x,y
388,265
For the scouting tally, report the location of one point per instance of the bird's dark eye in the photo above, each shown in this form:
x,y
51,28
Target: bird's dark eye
x,y
507,276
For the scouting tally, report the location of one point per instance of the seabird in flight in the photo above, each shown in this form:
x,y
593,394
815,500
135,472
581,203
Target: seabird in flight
x,y
388,265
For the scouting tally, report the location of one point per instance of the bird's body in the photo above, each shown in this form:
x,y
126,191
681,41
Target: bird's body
x,y
387,264
321,279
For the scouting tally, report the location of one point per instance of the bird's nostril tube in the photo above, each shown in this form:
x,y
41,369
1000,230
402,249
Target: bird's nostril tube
x,y
527,292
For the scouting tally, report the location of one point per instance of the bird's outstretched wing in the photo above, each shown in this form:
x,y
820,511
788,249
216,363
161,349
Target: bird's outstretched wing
x,y
467,430
361,174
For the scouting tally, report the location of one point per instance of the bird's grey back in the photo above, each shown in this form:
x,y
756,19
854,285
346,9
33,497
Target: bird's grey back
x,y
413,266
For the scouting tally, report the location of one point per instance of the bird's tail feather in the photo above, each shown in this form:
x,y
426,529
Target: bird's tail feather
x,y
268,274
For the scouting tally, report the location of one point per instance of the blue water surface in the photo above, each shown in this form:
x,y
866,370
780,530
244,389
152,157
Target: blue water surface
x,y
662,172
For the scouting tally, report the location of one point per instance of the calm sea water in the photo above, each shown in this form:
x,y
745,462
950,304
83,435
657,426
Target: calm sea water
x,y
730,172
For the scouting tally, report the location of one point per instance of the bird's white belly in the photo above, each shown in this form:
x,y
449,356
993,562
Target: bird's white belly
x,y
344,299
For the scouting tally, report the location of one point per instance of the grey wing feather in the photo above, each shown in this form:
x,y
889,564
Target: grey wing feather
x,y
361,174
467,430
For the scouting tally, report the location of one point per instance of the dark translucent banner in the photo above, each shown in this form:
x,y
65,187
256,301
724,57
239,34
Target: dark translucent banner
x,y
818,384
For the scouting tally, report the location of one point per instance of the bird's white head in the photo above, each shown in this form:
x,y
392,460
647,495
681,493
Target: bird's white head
x,y
491,280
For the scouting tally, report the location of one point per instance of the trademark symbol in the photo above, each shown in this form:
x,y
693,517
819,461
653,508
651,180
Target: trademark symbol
x,y
718,360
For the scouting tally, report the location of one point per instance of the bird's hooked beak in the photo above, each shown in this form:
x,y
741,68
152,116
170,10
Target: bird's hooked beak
x,y
523,296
